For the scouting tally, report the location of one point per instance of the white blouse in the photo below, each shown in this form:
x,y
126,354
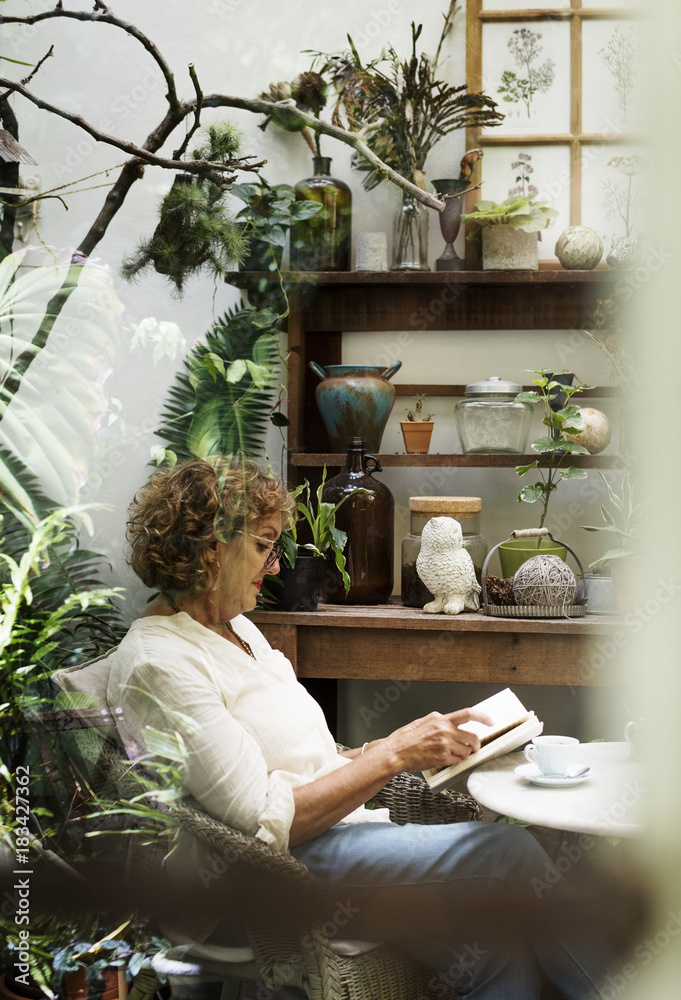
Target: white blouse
x,y
252,731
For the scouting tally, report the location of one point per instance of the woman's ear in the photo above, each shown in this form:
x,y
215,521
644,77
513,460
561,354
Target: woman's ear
x,y
212,551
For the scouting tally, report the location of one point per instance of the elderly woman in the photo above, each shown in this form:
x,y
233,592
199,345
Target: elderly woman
x,y
260,756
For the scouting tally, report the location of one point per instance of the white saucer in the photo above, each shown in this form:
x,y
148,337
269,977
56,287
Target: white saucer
x,y
533,774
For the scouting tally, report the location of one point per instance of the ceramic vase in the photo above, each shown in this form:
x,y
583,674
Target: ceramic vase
x,y
301,584
355,401
417,435
514,552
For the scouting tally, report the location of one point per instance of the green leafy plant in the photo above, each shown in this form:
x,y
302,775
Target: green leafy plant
x,y
402,105
625,519
268,213
67,316
522,213
221,403
51,610
320,518
416,414
555,445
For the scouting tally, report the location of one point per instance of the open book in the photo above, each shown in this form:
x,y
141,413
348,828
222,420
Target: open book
x,y
512,726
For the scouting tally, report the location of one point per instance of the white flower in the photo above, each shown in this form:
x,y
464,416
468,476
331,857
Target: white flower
x,y
165,337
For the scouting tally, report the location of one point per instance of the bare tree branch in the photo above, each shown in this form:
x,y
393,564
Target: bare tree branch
x,y
140,152
219,173
288,109
102,14
197,114
27,79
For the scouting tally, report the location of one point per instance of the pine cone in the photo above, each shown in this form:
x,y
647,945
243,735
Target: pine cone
x,y
500,591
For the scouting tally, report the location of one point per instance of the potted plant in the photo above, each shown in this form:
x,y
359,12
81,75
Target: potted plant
x,y
555,445
509,231
268,212
625,520
298,586
404,108
417,429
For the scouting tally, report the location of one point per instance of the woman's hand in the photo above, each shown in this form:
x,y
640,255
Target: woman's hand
x,y
436,740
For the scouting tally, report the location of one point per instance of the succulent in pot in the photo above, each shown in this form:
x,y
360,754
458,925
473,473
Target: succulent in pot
x,y
417,429
509,228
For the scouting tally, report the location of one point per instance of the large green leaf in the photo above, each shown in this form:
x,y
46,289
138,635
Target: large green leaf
x,y
210,413
572,473
529,494
58,337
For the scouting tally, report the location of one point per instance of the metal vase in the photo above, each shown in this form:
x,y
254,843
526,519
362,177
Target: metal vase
x,y
450,221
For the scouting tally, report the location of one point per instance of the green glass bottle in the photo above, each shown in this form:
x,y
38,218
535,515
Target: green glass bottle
x,y
323,242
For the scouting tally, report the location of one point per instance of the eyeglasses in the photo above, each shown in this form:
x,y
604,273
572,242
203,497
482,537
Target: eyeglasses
x,y
276,548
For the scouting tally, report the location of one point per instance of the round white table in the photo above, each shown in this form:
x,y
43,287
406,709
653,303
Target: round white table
x,y
612,801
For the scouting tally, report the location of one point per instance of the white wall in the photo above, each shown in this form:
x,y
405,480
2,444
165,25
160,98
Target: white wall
x,y
239,48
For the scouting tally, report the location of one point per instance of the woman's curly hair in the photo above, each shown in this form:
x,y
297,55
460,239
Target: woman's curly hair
x,y
176,517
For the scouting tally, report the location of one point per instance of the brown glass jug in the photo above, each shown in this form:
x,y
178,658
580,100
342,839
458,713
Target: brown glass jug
x,y
368,520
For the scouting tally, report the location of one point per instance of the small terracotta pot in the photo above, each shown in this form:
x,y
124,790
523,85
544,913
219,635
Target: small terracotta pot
x,y
75,986
417,434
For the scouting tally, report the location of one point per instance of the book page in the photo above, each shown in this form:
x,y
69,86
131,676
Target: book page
x,y
512,725
515,737
504,708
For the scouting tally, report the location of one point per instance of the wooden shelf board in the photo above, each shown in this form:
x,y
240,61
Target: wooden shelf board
x,y
396,616
408,389
437,460
544,276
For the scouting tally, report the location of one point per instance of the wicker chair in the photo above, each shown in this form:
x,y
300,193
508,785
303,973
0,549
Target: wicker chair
x,y
382,973
276,957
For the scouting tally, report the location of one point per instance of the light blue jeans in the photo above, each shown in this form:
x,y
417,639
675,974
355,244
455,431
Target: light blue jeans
x,y
456,860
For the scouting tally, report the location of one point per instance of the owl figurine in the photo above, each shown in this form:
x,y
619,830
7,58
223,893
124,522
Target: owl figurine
x,y
446,568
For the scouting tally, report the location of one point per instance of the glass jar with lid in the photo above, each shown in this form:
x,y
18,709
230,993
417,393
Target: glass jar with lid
x,y
489,420
466,510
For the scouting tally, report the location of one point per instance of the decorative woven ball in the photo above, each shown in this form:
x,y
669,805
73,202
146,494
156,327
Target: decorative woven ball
x,y
544,581
597,430
579,248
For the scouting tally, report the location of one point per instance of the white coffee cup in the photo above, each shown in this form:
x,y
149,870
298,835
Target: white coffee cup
x,y
552,754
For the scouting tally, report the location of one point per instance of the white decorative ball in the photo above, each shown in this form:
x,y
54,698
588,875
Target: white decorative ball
x,y
579,248
597,430
544,581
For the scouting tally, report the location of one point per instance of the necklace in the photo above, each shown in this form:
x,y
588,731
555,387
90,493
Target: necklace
x,y
227,624
242,642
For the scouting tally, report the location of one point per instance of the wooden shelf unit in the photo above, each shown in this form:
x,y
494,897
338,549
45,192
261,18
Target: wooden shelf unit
x,y
324,305
332,643
439,460
408,644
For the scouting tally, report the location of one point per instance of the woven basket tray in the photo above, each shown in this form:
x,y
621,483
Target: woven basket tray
x,y
576,610
531,611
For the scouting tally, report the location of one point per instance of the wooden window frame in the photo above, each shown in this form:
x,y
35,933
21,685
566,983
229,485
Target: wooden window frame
x,y
576,139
